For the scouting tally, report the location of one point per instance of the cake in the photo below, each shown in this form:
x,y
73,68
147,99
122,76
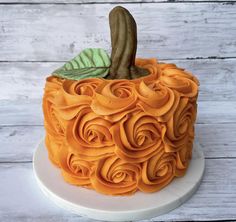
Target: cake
x,y
120,125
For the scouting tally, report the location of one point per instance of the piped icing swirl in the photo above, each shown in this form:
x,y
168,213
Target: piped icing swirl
x,y
75,95
180,80
53,123
138,136
114,98
120,136
113,175
157,99
74,170
89,135
180,125
158,171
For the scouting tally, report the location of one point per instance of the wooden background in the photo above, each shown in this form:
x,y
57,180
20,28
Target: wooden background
x,y
38,36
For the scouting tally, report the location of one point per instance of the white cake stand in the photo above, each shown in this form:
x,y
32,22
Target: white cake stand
x,y
116,208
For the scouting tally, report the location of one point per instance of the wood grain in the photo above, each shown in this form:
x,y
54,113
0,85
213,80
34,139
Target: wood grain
x,y
21,199
26,79
102,1
19,142
58,32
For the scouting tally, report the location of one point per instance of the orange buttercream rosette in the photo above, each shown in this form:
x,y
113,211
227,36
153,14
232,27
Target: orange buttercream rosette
x,y
115,176
120,136
53,123
138,136
89,135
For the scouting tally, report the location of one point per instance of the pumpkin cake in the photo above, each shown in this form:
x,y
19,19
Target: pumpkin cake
x,y
120,125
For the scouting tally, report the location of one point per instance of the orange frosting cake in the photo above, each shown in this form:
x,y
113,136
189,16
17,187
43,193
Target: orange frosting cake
x,y
121,125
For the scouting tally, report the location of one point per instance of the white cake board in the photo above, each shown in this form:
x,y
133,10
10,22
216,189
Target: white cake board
x,y
139,206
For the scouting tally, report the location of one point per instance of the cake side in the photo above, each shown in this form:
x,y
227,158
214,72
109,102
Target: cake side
x,y
119,136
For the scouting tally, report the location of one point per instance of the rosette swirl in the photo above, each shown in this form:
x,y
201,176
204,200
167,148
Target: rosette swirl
x,y
89,137
158,171
54,125
114,98
54,146
137,137
178,79
183,158
157,99
152,66
75,170
74,95
180,126
51,117
114,176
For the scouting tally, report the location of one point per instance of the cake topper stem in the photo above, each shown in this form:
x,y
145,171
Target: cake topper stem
x,y
124,45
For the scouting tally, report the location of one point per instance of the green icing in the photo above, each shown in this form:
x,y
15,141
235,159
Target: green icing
x,y
90,63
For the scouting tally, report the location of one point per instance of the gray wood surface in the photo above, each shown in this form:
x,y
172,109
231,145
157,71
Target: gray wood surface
x,y
57,32
102,1
36,38
214,199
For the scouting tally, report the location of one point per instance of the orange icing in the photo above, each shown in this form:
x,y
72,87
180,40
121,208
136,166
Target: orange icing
x,y
115,176
120,136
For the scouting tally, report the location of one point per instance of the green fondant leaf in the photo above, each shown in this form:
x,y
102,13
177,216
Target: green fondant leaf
x,y
90,63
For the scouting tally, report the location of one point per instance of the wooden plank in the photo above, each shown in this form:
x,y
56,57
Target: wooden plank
x,y
101,1
35,32
217,140
26,79
21,112
29,112
21,199
18,142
